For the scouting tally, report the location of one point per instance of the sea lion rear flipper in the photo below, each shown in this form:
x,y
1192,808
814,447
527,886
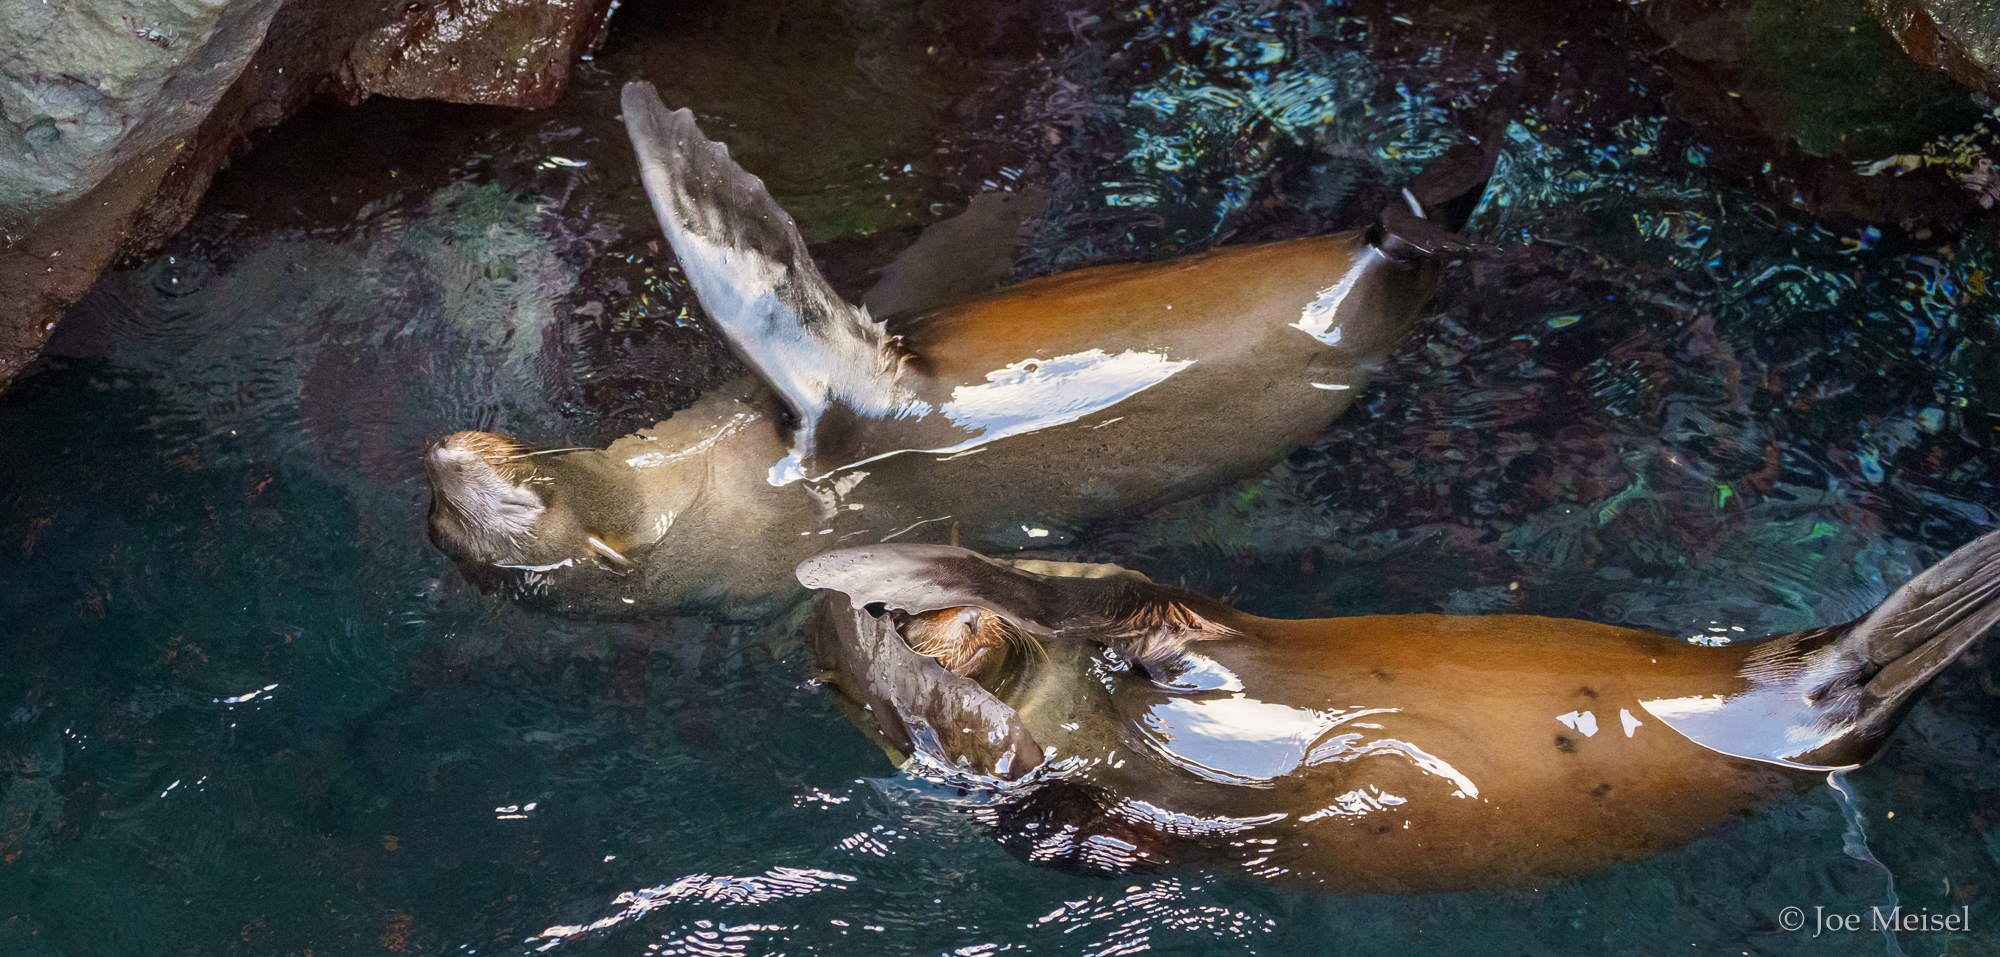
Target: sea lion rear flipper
x,y
750,268
1424,219
1921,628
1828,697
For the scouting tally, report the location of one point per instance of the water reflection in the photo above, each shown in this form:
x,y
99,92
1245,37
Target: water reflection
x,y
775,884
1240,740
1134,920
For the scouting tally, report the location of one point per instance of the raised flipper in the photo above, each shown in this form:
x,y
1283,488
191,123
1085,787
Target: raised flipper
x,y
1149,624
918,705
1827,698
750,268
1425,219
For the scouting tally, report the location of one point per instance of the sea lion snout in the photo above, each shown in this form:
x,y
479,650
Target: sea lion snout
x,y
462,456
967,641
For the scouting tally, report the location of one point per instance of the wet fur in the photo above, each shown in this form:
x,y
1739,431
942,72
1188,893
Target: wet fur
x,y
1151,631
478,492
968,642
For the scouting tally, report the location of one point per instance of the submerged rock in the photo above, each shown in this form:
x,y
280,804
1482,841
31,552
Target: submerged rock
x,y
115,116
1805,99
1960,37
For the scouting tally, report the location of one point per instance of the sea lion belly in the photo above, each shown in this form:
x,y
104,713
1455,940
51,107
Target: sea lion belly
x,y
1403,753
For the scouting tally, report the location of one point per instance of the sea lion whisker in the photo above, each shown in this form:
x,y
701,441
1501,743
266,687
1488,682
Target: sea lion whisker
x,y
1019,638
1154,631
960,638
523,455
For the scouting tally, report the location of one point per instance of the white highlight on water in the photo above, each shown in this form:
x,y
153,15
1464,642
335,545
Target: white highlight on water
x,y
1855,843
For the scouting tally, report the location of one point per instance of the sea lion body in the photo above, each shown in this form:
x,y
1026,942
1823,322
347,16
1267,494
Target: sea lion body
x,y
1015,417
1129,385
1375,745
1379,753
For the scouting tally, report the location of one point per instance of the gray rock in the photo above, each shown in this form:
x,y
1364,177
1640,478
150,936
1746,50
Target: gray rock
x,y
88,87
116,114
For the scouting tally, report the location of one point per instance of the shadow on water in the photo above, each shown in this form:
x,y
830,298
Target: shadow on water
x,y
1694,380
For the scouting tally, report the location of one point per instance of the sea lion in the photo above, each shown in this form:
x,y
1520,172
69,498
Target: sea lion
x,y
1016,417
1398,753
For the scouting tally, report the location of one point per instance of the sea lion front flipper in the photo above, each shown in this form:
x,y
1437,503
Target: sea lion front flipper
x,y
1828,697
750,268
919,579
1149,624
918,705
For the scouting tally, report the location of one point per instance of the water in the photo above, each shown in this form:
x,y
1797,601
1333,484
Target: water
x,y
1856,845
246,708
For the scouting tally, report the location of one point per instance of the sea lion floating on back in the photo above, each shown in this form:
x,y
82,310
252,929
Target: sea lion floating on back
x,y
1016,417
1398,753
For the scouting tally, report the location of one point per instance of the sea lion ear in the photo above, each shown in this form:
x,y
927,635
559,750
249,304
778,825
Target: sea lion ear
x,y
750,269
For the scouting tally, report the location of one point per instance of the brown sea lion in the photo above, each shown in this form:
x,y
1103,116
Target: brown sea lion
x,y
1017,417
1383,753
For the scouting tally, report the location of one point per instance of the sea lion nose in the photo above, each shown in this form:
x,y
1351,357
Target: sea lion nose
x,y
446,459
460,452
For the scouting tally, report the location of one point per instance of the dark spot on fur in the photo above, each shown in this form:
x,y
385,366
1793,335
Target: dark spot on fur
x,y
1586,692
1379,673
1601,790
1565,745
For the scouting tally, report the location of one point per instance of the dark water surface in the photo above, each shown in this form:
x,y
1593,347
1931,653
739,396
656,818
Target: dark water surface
x,y
1703,376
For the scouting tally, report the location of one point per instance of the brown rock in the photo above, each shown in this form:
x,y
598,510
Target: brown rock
x,y
486,52
1959,37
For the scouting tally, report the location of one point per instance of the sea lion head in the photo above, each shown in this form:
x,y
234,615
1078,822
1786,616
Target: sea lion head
x,y
941,644
481,508
648,525
498,504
